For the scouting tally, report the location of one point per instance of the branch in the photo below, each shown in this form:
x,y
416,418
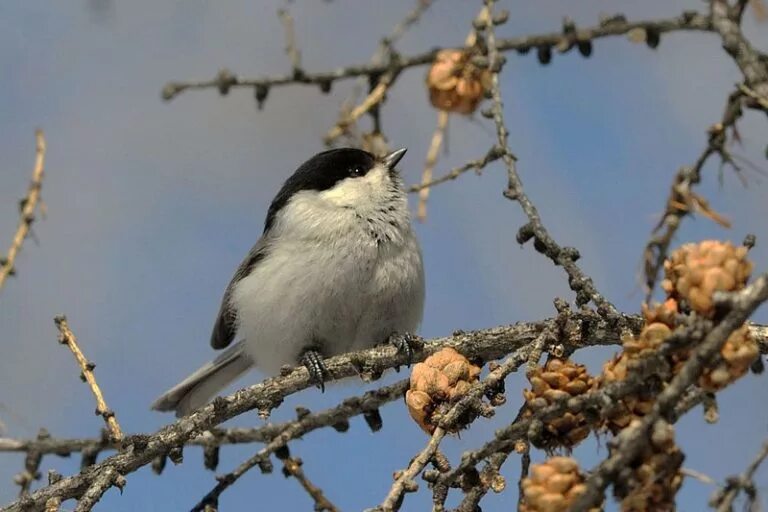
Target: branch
x,y
374,98
292,467
630,442
565,257
335,416
723,499
226,81
27,206
493,154
405,478
584,328
291,49
682,200
108,478
429,166
66,337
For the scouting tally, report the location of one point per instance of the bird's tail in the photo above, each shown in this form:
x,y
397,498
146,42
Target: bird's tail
x,y
202,385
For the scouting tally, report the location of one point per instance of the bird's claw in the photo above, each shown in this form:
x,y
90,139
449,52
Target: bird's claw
x,y
406,344
315,365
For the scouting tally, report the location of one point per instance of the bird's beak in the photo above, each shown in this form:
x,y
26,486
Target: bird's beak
x,y
390,161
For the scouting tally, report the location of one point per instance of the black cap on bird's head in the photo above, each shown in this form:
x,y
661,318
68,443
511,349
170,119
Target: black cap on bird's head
x,y
324,170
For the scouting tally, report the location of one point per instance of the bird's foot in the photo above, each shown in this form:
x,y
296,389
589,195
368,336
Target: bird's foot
x,y
406,344
315,365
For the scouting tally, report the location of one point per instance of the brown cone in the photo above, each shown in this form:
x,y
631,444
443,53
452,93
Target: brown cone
x,y
695,271
655,475
442,378
455,84
558,379
552,486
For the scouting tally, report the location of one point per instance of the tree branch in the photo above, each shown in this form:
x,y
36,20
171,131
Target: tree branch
x,y
224,82
66,337
27,207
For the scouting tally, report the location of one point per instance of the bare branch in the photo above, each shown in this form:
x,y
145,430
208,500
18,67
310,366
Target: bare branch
x,y
292,467
723,499
108,478
66,337
375,97
290,40
682,200
27,207
335,416
565,257
405,478
687,21
628,444
429,166
477,165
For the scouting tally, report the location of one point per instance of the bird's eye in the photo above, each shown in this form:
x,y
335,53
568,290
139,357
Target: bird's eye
x,y
356,171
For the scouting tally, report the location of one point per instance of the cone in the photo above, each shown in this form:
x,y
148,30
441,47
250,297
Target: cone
x,y
455,84
442,378
558,379
553,486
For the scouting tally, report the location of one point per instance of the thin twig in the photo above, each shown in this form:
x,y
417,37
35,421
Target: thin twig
x,y
565,257
429,166
108,478
28,205
588,329
335,416
292,467
405,478
698,475
477,165
723,499
384,50
629,443
761,100
374,98
291,47
66,337
689,21
682,200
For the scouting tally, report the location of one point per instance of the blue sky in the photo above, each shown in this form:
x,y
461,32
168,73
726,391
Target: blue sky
x,y
151,206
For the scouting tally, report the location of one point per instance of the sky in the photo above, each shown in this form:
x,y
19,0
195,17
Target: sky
x,y
151,206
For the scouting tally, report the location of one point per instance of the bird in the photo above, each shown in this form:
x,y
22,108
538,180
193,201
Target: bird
x,y
337,268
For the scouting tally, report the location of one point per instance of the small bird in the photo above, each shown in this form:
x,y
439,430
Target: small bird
x,y
337,268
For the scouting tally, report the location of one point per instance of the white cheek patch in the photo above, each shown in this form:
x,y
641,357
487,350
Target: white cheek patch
x,y
353,191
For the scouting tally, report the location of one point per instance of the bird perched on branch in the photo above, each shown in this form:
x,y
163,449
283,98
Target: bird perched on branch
x,y
338,268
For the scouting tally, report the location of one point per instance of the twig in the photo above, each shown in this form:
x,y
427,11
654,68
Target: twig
x,y
432,153
477,165
292,467
306,422
629,443
66,337
28,205
723,499
385,49
31,471
688,21
334,416
108,478
588,329
374,98
565,257
682,200
405,478
761,100
698,475
290,40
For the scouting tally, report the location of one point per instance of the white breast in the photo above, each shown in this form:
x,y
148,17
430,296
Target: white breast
x,y
334,276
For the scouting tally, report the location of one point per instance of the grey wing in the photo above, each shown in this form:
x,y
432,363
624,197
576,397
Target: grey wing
x,y
225,328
